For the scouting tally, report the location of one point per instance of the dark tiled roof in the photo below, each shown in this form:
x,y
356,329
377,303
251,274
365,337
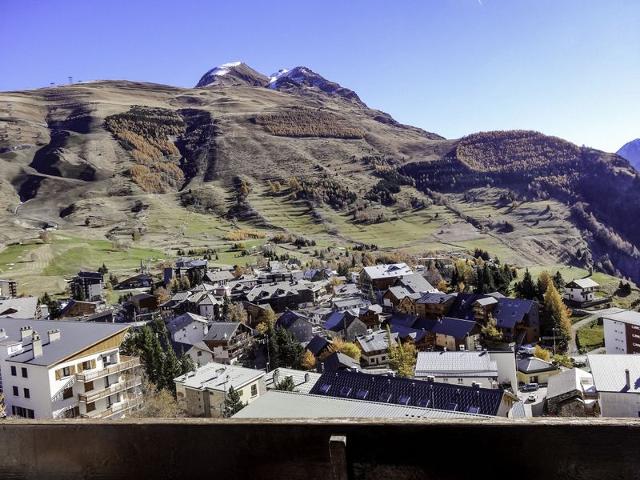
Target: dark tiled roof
x,y
96,275
297,324
511,311
317,344
436,298
221,331
338,321
463,306
338,361
403,391
454,327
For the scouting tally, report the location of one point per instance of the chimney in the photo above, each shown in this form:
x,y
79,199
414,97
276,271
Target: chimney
x,y
3,333
54,335
307,377
36,345
627,376
25,332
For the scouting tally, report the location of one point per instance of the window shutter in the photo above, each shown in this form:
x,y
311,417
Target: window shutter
x,y
58,374
72,369
93,363
80,369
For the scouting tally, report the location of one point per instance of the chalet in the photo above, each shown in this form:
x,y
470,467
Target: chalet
x,y
371,316
374,347
416,283
518,319
411,392
350,303
87,286
434,305
381,277
185,331
456,334
345,325
194,269
228,341
141,280
206,304
218,277
580,291
337,362
143,303
297,324
255,313
571,394
77,308
396,294
284,295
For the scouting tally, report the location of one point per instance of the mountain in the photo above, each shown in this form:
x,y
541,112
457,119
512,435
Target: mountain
x,y
631,151
295,153
232,74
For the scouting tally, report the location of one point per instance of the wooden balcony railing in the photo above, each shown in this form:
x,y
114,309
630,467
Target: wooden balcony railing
x,y
94,395
115,409
126,363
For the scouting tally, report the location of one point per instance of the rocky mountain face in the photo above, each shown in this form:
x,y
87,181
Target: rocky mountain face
x,y
631,152
96,155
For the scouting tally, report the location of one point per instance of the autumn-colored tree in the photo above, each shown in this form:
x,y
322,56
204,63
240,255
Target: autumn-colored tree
x,y
294,184
542,353
162,295
543,282
557,315
237,313
157,404
490,331
402,357
308,361
348,348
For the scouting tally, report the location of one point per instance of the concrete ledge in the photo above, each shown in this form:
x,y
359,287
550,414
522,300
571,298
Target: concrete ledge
x,y
373,449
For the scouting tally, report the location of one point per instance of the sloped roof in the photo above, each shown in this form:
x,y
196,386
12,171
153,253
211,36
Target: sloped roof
x,y
219,377
339,320
454,327
339,361
317,344
584,283
278,404
19,307
511,311
534,364
415,283
456,363
408,392
436,298
609,372
221,331
181,321
390,270
375,341
569,380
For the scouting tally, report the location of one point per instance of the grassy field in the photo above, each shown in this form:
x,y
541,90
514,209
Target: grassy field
x,y
590,337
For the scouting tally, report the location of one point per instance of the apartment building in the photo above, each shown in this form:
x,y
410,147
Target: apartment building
x,y
66,369
622,332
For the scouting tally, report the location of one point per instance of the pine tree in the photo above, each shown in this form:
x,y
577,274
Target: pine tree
x,y
286,384
558,281
232,403
526,288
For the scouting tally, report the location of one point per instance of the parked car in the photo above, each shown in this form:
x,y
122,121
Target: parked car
x,y
532,397
526,349
530,387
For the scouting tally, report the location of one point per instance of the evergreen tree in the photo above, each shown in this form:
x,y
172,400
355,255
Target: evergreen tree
x,y
286,384
232,403
559,282
526,288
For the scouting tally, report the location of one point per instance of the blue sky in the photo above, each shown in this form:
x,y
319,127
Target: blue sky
x,y
565,67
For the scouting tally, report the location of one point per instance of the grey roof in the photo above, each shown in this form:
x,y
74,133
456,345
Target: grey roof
x,y
486,301
19,307
350,302
219,276
216,376
399,291
609,372
534,364
375,341
569,380
303,381
221,330
278,404
625,316
388,270
74,337
436,298
416,283
461,364
347,289
181,321
584,283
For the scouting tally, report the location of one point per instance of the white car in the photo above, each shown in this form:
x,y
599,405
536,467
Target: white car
x,y
532,397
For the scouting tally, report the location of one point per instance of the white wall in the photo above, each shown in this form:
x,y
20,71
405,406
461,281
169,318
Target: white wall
x,y
507,371
615,338
619,404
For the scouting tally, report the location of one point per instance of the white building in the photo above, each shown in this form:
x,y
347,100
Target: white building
x,y
622,332
374,347
580,290
617,381
203,391
460,368
59,369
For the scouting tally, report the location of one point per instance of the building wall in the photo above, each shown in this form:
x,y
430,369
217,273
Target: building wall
x,y
507,371
615,338
486,382
619,404
540,377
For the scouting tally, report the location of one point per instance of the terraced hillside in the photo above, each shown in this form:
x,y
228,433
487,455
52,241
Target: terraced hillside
x,y
150,169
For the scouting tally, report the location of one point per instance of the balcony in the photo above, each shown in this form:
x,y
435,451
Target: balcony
x,y
115,409
94,395
126,363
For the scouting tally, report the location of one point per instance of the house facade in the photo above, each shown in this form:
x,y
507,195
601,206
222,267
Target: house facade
x,y
59,369
622,332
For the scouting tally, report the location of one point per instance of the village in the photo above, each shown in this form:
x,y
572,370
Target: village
x,y
445,338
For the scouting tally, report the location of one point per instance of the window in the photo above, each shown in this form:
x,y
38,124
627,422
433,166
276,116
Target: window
x,y
86,365
22,412
66,371
199,353
254,390
88,386
67,393
91,407
13,370
460,381
27,393
15,392
24,372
